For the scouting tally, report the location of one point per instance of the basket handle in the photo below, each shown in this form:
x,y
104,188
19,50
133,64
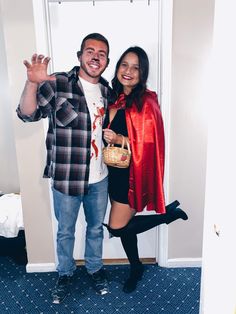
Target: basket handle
x,y
124,141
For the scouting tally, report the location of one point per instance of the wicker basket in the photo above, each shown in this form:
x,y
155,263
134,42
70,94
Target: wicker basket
x,y
118,157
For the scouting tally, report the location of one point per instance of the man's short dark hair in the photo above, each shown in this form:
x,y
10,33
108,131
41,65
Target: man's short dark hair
x,y
95,36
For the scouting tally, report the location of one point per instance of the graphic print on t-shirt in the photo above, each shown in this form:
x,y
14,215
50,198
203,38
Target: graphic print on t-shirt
x,y
98,114
95,102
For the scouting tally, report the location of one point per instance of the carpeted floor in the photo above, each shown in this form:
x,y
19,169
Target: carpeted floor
x,y
162,291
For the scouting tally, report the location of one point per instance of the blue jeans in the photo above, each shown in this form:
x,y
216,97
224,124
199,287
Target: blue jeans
x,y
66,209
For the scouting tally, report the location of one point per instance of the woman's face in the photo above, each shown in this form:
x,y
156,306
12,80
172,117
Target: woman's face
x,y
128,72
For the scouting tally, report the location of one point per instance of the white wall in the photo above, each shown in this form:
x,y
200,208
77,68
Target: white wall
x,y
9,180
192,38
18,29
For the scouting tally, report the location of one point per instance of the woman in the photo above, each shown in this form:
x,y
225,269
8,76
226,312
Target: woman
x,y
136,115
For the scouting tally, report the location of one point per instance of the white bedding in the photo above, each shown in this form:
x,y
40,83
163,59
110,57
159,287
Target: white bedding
x,y
11,218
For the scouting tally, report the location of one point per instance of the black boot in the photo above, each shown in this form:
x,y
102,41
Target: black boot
x,y
136,274
174,214
172,206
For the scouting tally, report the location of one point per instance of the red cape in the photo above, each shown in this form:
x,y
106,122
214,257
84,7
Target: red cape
x,y
146,135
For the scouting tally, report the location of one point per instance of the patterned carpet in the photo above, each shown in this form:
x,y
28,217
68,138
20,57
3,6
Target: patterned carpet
x,y
162,291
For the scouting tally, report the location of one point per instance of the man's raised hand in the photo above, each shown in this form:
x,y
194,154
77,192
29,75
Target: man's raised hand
x,y
37,69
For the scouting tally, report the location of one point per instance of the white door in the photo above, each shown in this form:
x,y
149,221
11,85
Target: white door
x,y
124,24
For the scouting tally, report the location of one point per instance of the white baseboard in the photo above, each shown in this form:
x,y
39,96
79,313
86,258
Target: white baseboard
x,y
175,262
184,262
40,267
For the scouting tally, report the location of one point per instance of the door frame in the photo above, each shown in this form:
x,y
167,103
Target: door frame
x,y
165,78
43,44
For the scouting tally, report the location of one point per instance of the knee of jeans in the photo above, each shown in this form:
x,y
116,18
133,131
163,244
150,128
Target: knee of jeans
x,y
95,231
66,231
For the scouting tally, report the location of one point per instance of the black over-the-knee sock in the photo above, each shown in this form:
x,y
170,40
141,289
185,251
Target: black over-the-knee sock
x,y
130,245
139,224
142,223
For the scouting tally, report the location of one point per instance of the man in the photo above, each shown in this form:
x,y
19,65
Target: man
x,y
75,103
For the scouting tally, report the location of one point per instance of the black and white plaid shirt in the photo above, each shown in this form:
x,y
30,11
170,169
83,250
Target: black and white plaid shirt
x,y
69,133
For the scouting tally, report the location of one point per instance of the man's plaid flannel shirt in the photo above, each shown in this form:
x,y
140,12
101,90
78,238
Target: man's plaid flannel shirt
x,y
69,133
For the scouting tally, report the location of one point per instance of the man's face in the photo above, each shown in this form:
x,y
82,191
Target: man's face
x,y
93,60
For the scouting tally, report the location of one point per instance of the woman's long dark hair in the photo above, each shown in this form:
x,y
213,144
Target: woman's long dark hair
x,y
135,97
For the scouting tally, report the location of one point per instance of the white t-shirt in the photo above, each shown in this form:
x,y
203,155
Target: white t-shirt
x,y
98,170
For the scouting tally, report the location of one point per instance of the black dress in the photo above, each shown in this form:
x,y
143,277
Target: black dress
x,y
118,177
